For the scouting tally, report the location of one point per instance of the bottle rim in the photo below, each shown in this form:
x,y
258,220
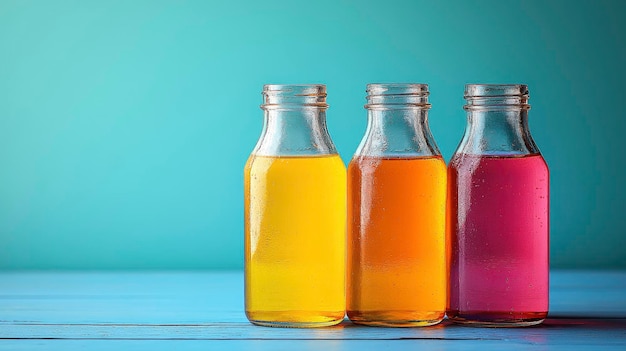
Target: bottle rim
x,y
496,96
396,88
486,90
276,96
297,88
397,95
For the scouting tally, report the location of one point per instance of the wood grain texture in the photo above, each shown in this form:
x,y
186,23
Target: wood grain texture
x,y
204,310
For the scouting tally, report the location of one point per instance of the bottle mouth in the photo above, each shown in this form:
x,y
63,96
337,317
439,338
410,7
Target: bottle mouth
x,y
276,96
496,96
397,95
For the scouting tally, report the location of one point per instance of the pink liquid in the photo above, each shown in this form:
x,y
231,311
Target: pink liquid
x,y
498,221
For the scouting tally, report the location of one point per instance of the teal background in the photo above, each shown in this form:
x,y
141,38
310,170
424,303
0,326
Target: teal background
x,y
125,125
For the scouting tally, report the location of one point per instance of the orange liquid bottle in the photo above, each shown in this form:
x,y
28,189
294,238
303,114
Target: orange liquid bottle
x,y
397,273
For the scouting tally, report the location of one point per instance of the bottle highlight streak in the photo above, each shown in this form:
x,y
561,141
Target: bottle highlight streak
x,y
396,241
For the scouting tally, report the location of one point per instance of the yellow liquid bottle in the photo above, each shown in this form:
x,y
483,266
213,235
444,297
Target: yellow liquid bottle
x,y
295,242
295,215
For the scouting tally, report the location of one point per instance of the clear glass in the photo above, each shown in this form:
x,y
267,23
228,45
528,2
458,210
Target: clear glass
x,y
295,205
498,212
396,214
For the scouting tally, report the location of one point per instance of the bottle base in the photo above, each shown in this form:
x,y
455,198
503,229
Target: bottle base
x,y
395,319
497,319
295,319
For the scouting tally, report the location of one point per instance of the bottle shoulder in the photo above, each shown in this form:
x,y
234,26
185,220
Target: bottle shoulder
x,y
431,163
470,163
262,163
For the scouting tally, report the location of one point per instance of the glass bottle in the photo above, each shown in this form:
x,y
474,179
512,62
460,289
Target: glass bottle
x,y
396,214
498,213
295,205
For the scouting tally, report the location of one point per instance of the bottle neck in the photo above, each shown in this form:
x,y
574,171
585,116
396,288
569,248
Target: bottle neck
x,y
497,132
497,121
295,132
397,122
398,132
294,121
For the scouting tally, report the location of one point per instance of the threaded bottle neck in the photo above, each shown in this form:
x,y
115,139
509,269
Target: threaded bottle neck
x,y
496,97
397,122
280,96
294,121
397,96
497,121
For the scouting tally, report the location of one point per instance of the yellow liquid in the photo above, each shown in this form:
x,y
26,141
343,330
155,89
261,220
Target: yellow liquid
x,y
295,240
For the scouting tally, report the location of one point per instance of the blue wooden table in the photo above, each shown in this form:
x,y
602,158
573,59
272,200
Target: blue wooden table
x,y
204,311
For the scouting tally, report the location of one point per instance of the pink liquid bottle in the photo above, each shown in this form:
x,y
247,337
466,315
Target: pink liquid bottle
x,y
498,214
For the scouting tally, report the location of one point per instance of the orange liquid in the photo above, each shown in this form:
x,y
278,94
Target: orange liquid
x,y
397,272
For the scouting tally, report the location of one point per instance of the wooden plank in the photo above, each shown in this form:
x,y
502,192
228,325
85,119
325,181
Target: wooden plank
x,y
290,345
51,310
124,297
217,297
588,294
565,331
